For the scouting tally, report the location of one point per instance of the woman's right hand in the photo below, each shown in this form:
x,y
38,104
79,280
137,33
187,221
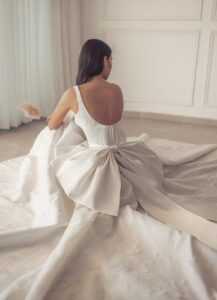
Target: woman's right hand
x,y
48,118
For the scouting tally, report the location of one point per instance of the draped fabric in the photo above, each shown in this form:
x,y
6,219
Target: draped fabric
x,y
39,46
54,246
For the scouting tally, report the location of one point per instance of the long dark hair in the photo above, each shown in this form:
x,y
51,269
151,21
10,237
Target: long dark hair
x,y
91,59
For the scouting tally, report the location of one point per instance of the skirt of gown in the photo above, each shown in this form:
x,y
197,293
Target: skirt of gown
x,y
137,220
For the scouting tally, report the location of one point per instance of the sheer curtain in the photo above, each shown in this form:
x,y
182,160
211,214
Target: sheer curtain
x,y
39,48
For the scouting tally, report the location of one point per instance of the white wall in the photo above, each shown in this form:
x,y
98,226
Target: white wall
x,y
164,52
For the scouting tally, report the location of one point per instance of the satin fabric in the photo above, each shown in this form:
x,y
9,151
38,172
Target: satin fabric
x,y
114,207
153,230
91,176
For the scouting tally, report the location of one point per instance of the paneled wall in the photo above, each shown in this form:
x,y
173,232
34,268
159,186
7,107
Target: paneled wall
x,y
164,52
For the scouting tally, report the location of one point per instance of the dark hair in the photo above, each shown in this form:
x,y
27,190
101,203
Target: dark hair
x,y
91,59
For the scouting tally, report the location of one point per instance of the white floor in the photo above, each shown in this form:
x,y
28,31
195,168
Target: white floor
x,y
18,141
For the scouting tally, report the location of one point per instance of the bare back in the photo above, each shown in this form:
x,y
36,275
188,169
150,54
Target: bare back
x,y
103,101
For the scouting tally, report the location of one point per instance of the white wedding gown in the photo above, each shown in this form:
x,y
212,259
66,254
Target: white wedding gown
x,y
89,214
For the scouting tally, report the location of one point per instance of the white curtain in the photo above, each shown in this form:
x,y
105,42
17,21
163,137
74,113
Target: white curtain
x,y
39,48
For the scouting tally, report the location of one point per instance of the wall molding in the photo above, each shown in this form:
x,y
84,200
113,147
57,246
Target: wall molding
x,y
107,17
167,117
197,33
213,35
214,10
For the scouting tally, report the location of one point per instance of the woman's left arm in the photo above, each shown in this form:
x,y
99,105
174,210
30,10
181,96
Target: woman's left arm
x,y
64,105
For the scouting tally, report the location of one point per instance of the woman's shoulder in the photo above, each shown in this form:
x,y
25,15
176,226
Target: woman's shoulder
x,y
115,86
98,86
107,89
96,91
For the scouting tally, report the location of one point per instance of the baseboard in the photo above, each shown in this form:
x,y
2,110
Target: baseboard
x,y
166,117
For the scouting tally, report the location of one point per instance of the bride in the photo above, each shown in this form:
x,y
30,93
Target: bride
x,y
125,224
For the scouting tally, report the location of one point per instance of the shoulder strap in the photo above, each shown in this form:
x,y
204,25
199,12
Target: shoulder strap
x,y
80,102
78,95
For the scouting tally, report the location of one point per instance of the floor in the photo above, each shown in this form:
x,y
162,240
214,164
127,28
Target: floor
x,y
18,141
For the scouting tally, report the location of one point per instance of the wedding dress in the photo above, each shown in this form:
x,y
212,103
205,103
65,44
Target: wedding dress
x,y
110,215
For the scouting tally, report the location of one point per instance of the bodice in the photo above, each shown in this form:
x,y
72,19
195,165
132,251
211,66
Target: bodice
x,y
95,132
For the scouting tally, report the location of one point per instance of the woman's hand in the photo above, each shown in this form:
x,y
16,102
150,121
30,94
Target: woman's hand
x,y
48,118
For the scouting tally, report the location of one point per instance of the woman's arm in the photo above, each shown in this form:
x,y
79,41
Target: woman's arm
x,y
64,105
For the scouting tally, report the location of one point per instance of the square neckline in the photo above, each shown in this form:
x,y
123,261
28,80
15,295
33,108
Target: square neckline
x,y
88,111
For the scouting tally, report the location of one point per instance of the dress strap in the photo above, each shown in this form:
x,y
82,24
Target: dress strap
x,y
80,102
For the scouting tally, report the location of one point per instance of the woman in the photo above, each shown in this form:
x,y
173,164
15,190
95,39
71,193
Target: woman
x,y
106,177
105,101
